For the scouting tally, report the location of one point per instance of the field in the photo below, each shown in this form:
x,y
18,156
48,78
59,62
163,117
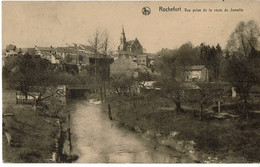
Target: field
x,y
33,135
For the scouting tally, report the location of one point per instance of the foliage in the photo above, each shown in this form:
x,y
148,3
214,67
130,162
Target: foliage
x,y
54,107
241,68
169,79
244,38
122,84
68,58
217,138
35,74
211,57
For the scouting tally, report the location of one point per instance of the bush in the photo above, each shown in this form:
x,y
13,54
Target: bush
x,y
30,156
53,107
218,138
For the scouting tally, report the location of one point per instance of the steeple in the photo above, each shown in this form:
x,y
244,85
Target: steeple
x,y
123,38
123,31
122,46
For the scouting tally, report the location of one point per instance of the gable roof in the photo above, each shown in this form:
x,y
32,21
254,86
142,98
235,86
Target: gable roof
x,y
194,68
44,48
123,66
71,50
10,47
88,48
142,56
31,51
129,43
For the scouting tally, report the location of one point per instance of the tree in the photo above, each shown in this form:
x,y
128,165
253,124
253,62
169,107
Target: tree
x,y
211,57
68,58
187,55
242,44
105,43
244,38
95,41
122,84
166,65
100,44
34,74
241,75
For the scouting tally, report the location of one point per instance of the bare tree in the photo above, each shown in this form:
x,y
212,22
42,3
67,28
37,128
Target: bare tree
x,y
95,41
99,41
105,43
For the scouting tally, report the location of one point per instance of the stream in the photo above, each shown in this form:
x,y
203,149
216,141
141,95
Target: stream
x,y
97,139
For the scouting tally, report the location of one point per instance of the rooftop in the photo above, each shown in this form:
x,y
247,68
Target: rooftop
x,y
191,68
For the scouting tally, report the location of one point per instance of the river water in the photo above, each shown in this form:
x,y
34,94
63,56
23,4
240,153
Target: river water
x,y
97,139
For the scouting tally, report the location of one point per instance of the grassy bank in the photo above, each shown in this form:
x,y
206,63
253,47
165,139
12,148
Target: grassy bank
x,y
231,140
34,134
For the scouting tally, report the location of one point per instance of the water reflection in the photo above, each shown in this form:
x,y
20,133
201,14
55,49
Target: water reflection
x,y
96,139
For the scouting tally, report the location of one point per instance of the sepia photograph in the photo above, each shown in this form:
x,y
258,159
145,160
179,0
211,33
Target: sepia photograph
x,y
131,82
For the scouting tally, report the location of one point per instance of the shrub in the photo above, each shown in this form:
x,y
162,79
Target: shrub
x,y
30,156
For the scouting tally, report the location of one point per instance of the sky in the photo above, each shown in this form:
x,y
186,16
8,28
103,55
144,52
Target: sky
x,y
26,24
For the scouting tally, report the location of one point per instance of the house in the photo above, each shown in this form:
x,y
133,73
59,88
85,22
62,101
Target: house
x,y
10,51
55,59
10,47
99,67
196,73
68,51
78,53
143,60
45,52
124,66
31,51
151,58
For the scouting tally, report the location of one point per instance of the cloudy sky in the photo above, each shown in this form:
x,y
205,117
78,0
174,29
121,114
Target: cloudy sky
x,y
26,24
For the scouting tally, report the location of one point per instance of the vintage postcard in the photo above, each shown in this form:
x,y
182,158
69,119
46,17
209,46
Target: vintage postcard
x,y
130,82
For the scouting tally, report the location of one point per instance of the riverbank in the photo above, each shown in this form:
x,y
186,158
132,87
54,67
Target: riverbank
x,y
38,135
97,139
208,141
33,135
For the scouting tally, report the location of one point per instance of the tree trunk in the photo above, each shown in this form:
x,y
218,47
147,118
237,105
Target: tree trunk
x,y
201,111
178,106
36,102
105,91
96,76
101,94
109,112
246,109
193,113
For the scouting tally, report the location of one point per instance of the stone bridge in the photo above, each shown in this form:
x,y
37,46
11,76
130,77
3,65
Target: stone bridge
x,y
75,90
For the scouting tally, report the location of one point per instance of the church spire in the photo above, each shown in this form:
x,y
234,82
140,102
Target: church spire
x,y
123,31
122,46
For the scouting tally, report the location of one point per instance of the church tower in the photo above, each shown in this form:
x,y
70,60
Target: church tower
x,y
122,46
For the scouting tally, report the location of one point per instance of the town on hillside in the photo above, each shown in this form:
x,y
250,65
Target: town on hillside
x,y
88,103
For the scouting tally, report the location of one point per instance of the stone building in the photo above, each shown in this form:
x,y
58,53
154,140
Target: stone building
x,y
133,46
197,73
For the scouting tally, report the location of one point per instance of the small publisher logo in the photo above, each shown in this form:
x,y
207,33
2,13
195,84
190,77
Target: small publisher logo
x,y
146,10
